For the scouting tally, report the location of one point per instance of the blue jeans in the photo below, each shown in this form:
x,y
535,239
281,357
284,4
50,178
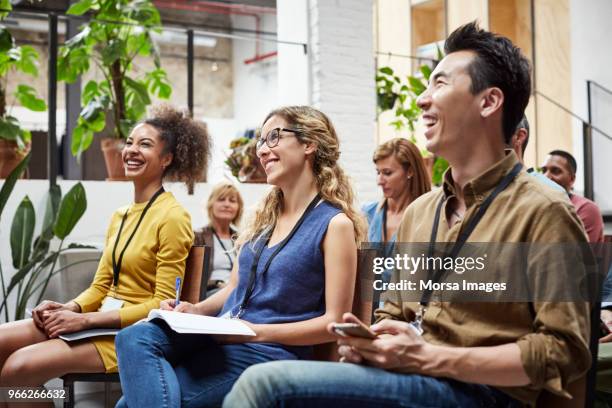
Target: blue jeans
x,y
161,368
342,385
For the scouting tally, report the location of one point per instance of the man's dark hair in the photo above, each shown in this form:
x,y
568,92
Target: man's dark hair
x,y
570,159
523,124
498,63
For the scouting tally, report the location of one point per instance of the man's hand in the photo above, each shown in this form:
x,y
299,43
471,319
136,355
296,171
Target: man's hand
x,y
398,346
64,321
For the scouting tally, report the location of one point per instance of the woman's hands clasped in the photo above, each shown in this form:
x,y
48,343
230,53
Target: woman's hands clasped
x,y
58,318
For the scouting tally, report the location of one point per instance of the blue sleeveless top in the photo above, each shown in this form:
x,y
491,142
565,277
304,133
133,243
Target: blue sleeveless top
x,y
293,289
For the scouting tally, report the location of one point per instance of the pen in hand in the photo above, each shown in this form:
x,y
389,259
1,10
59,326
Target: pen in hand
x,y
177,286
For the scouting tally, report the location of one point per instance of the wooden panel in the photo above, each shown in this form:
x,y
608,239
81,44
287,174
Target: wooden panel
x,y
553,76
512,18
460,12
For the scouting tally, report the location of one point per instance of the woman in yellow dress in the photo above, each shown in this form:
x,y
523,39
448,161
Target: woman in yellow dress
x,y
145,250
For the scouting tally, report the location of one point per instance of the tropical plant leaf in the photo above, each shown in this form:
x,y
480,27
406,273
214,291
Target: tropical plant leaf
x,y
80,8
5,5
157,83
26,95
72,208
82,138
426,71
22,232
9,128
53,200
10,181
114,51
6,39
386,70
28,60
417,85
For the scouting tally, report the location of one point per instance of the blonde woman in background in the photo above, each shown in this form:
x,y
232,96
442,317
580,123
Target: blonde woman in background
x,y
295,274
224,209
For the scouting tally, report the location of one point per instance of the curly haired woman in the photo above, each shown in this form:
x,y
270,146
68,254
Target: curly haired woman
x,y
295,274
147,243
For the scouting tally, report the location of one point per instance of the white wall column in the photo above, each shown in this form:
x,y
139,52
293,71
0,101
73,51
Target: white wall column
x,y
342,81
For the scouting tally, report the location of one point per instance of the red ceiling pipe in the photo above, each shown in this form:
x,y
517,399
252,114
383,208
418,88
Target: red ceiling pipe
x,y
223,8
261,57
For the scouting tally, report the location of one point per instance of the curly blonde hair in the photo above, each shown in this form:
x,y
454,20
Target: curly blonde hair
x,y
313,126
188,141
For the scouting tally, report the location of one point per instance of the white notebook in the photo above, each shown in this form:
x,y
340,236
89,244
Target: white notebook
x,y
198,324
88,333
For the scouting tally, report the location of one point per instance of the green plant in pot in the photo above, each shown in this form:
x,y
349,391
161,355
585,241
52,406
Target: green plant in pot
x,y
14,139
33,259
117,32
401,96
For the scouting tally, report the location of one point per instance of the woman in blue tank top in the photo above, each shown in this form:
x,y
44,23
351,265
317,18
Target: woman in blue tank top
x,y
296,274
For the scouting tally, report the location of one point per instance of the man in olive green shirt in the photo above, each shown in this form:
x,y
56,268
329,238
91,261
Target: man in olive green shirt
x,y
470,353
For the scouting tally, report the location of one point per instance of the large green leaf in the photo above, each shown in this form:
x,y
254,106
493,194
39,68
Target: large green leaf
x,y
417,85
140,90
28,60
82,138
157,83
10,181
80,8
53,201
22,232
7,6
26,95
71,210
9,128
6,39
113,51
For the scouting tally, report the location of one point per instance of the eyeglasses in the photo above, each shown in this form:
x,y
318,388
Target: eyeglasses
x,y
273,137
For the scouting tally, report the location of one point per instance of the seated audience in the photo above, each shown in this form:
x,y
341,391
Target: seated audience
x,y
295,274
561,167
147,243
224,208
435,353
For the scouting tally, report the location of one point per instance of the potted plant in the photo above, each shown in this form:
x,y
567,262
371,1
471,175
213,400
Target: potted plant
x,y
117,32
243,161
395,94
14,139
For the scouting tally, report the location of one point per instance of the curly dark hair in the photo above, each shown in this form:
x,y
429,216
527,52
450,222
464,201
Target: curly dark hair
x,y
188,141
498,63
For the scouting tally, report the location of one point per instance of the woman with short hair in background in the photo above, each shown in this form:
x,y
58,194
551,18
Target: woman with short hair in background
x,y
224,208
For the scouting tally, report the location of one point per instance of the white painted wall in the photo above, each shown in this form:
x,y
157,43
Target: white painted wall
x,y
591,59
255,85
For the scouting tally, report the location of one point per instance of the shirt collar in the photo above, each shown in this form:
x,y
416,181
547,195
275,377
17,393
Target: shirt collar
x,y
479,187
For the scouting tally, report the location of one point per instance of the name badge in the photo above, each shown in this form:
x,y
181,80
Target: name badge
x,y
110,303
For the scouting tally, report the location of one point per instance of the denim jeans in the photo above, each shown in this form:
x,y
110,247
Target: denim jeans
x,y
342,385
161,368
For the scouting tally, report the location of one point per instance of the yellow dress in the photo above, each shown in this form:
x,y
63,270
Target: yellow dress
x,y
152,261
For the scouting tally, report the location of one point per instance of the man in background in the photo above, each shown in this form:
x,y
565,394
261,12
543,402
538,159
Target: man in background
x,y
560,167
518,143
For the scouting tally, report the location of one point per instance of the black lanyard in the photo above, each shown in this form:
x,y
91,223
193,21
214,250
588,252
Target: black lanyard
x,y
384,222
279,247
465,234
117,264
225,251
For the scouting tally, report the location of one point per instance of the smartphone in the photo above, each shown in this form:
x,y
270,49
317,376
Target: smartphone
x,y
354,330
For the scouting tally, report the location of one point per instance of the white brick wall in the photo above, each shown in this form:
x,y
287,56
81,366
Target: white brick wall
x,y
342,70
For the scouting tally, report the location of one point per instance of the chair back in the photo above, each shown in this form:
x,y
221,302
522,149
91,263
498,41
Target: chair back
x,y
362,305
194,270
